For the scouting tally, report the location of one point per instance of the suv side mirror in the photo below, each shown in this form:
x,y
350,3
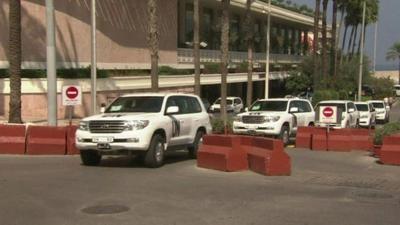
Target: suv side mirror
x,y
172,110
351,110
294,110
102,107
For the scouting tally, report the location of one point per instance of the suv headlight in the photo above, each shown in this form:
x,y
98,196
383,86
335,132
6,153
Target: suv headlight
x,y
84,125
271,118
136,124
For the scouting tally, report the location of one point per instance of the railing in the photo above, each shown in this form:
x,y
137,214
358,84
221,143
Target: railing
x,y
214,56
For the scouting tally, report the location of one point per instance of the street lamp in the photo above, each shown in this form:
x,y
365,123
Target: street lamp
x,y
267,50
51,65
93,67
361,54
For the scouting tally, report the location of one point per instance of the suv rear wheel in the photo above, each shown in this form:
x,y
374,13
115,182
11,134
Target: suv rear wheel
x,y
284,135
155,155
90,157
197,140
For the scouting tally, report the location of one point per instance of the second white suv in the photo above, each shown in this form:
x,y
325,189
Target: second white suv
x,y
382,113
233,104
350,116
146,125
275,117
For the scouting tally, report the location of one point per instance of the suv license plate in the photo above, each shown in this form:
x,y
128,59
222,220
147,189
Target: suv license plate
x,y
103,146
103,139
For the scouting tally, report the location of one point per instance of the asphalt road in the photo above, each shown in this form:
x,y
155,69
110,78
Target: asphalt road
x,y
324,188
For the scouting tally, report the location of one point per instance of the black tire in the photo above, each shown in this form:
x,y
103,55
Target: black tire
x,y
285,135
154,157
195,147
90,157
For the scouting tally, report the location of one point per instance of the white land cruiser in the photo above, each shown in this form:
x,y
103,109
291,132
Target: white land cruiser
x,y
275,117
144,124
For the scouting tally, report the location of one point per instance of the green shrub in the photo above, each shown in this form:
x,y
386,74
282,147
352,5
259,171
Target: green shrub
x,y
343,95
167,70
323,95
386,130
3,73
211,68
218,126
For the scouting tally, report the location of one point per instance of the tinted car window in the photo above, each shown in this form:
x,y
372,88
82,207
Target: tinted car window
x,y
273,106
194,105
362,107
304,106
136,104
378,105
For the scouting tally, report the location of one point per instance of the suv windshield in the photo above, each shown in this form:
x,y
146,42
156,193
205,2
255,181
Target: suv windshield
x,y
228,102
378,105
340,106
362,107
136,104
274,106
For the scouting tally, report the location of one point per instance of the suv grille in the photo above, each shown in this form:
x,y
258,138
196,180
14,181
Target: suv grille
x,y
100,126
253,119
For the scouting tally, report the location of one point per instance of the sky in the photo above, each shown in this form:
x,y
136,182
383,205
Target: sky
x,y
388,31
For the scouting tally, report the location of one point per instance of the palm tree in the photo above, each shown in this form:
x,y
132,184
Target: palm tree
x,y
333,41
316,42
224,57
394,54
249,39
196,47
153,42
15,53
324,40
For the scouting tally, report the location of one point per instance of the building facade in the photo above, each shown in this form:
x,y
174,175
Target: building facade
x,y
121,43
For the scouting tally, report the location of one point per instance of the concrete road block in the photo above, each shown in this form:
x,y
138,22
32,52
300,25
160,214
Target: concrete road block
x,y
268,157
390,151
223,152
303,137
71,148
12,139
362,139
319,140
340,140
45,140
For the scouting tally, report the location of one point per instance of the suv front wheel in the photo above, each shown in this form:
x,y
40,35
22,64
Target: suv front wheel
x,y
90,157
155,154
197,140
285,134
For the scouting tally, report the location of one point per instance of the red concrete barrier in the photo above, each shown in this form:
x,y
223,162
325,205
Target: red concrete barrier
x,y
390,151
71,148
12,139
303,137
223,152
268,157
340,140
42,140
318,139
362,139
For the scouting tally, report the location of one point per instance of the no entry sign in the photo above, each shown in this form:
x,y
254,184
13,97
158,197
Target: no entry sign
x,y
328,114
71,95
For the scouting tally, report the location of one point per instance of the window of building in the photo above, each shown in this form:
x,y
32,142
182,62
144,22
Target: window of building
x,y
189,23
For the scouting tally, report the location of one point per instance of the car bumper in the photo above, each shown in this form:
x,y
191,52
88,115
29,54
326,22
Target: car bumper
x,y
128,140
380,117
364,121
256,129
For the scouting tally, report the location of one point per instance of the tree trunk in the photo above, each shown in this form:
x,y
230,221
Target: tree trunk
x,y
14,56
350,40
196,46
334,36
249,39
153,41
324,43
224,58
399,70
344,38
354,41
315,44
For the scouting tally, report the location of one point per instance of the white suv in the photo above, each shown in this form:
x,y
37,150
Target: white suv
x,y
276,117
350,116
367,114
382,113
233,104
144,124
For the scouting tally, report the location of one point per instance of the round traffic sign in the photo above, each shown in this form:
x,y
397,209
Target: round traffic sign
x,y
71,92
328,112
